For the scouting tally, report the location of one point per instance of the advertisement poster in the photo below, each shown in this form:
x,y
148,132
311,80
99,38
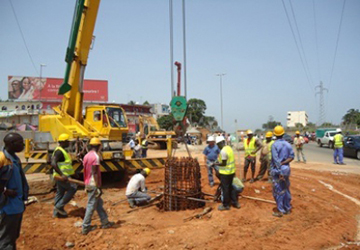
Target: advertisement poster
x,y
26,88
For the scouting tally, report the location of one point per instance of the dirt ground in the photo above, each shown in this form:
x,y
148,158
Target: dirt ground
x,y
321,218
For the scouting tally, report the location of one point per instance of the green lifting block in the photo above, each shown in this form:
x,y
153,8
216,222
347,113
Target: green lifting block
x,y
178,106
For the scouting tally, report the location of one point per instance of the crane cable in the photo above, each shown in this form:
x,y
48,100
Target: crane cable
x,y
171,46
317,43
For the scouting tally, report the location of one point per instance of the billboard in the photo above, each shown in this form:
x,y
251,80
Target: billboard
x,y
26,88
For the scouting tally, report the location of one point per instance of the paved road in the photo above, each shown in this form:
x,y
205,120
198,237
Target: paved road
x,y
314,153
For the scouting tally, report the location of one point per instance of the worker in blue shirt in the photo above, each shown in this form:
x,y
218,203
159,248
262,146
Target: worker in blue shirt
x,y
211,153
282,155
14,191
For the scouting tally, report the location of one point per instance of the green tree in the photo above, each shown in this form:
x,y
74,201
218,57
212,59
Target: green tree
x,y
146,103
270,125
327,125
131,103
166,122
352,117
299,125
196,110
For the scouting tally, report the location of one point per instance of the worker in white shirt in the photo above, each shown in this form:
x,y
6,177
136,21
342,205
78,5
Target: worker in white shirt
x,y
136,190
299,142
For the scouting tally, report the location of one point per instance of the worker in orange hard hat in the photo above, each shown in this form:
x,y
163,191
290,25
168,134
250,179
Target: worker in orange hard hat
x,y
299,142
265,156
251,146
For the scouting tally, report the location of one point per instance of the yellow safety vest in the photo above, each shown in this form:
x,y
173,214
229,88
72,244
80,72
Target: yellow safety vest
x,y
338,140
65,166
269,147
230,163
249,148
143,143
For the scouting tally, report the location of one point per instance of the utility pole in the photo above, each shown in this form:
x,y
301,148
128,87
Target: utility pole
x,y
321,105
221,99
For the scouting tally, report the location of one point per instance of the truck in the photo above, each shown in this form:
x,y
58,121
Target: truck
x,y
107,122
325,136
156,137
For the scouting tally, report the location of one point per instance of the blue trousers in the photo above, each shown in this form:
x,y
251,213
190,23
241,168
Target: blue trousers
x,y
210,171
139,198
64,193
94,203
338,154
281,188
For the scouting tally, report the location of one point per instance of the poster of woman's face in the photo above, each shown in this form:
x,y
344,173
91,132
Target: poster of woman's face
x,y
25,88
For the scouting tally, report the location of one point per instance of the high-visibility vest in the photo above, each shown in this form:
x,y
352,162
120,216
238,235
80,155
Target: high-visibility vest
x,y
230,163
269,147
66,166
143,143
338,141
249,148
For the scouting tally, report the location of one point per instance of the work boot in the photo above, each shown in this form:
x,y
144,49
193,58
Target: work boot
x,y
243,180
288,212
60,211
277,214
223,208
342,163
131,203
236,205
252,180
87,230
108,225
57,215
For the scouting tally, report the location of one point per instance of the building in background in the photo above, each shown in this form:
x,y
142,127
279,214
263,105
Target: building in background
x,y
160,109
294,117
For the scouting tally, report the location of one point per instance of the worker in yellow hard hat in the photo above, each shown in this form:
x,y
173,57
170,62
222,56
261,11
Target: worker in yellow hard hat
x,y
282,154
299,143
63,169
251,145
136,189
92,179
265,156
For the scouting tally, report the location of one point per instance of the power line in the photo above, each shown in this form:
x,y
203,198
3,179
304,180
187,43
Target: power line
x,y
337,43
301,44
184,42
296,43
171,46
23,37
317,43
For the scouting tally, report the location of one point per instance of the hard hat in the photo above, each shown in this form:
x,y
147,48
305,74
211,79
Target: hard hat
x,y
211,138
249,132
219,139
147,171
95,141
338,130
279,130
269,134
63,137
297,132
241,133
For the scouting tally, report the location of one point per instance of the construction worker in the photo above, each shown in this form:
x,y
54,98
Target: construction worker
x,y
338,147
237,188
251,146
211,153
144,147
92,179
265,156
226,170
137,150
14,191
136,189
299,142
282,154
62,166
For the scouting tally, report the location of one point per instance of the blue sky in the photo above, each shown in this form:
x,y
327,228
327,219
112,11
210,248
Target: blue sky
x,y
250,41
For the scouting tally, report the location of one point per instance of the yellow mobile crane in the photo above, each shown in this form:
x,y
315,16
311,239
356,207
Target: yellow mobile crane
x,y
107,122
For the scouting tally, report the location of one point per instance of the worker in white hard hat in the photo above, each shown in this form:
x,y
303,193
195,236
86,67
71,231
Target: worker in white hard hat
x,y
251,146
226,171
62,170
338,147
211,153
92,179
136,189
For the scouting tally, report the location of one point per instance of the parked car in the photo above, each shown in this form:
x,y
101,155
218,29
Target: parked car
x,y
325,136
352,146
288,138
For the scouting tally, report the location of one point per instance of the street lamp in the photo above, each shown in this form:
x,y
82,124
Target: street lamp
x,y
40,85
221,100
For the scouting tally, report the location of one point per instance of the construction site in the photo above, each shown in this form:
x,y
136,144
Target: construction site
x,y
56,125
